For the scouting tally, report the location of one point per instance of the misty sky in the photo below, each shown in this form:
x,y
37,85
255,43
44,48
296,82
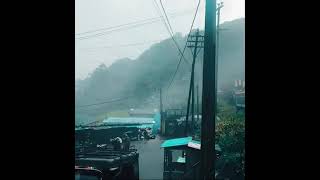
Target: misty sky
x,y
96,14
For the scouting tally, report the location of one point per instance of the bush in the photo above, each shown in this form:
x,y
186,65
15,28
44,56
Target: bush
x,y
230,135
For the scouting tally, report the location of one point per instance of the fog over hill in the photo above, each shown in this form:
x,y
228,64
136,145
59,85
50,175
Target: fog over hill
x,y
135,83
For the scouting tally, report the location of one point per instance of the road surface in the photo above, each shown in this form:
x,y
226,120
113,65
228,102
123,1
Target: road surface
x,y
150,158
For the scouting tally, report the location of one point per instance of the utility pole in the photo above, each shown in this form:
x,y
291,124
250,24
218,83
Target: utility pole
x,y
161,106
192,101
209,94
194,41
161,114
220,5
192,82
198,104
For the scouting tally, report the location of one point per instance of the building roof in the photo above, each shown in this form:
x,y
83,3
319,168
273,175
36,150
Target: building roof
x,y
197,145
128,121
186,141
176,142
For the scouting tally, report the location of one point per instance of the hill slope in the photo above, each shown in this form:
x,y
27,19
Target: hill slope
x,y
140,79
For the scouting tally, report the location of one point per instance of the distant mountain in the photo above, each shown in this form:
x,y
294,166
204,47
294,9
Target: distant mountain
x,y
232,50
137,82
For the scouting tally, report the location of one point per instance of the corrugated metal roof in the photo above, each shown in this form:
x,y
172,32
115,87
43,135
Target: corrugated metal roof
x,y
128,121
197,145
176,142
186,141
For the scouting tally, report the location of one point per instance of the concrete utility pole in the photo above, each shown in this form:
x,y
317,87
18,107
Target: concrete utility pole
x,y
220,5
161,115
161,106
194,41
198,104
209,94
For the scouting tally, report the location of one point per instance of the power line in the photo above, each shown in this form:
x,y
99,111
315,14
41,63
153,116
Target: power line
x,y
169,28
168,19
125,45
155,4
105,102
198,52
183,48
112,27
114,30
125,26
174,14
166,16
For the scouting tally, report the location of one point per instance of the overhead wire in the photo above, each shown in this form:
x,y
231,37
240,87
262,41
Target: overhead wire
x,y
115,30
125,26
169,29
124,45
105,102
178,65
150,20
168,18
173,14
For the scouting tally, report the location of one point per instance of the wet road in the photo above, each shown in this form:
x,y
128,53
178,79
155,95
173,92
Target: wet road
x,y
150,158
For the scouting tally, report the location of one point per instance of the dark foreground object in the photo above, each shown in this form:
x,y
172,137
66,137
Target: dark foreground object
x,y
113,165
